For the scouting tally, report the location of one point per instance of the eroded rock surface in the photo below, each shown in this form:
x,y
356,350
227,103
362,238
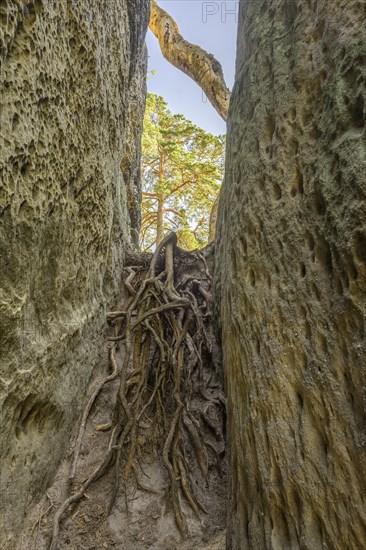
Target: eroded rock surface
x,y
291,277
72,91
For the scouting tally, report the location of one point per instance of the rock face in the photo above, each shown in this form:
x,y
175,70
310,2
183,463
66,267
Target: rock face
x,y
72,92
291,277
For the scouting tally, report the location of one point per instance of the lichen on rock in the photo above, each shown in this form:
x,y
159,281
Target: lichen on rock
x,y
291,277
72,92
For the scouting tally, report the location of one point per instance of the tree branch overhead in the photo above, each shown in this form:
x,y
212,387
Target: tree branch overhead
x,y
191,59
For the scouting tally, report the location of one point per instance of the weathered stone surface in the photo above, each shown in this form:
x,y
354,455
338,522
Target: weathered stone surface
x,y
72,91
291,276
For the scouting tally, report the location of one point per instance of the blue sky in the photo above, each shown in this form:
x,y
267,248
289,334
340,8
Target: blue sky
x,y
213,26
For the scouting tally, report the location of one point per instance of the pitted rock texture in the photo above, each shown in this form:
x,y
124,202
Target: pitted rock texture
x,y
72,93
291,277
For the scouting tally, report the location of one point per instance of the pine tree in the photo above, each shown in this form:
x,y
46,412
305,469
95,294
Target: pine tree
x,y
182,168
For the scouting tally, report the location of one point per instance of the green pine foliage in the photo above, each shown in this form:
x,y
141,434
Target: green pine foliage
x,y
182,169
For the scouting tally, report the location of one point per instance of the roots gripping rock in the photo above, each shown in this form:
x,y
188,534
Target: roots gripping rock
x,y
170,405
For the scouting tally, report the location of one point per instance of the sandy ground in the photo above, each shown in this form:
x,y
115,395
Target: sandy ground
x,y
139,520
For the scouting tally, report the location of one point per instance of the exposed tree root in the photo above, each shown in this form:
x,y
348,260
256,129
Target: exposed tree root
x,y
166,394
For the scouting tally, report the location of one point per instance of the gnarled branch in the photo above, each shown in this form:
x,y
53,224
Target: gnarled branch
x,y
193,60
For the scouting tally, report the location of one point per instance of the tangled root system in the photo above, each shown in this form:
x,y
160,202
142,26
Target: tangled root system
x,y
170,404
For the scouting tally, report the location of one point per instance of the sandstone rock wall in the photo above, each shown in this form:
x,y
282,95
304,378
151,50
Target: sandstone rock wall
x,y
72,92
291,276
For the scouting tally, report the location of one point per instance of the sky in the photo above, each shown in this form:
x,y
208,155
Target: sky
x,y
213,26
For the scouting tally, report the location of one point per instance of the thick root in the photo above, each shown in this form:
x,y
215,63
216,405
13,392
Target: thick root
x,y
167,383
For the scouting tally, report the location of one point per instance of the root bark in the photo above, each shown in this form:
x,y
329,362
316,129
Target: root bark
x,y
165,388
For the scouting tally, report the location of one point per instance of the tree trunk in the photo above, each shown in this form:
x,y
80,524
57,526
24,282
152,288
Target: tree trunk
x,y
194,61
160,222
213,218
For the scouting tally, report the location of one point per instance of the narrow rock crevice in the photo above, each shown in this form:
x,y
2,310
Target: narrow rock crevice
x,y
157,419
